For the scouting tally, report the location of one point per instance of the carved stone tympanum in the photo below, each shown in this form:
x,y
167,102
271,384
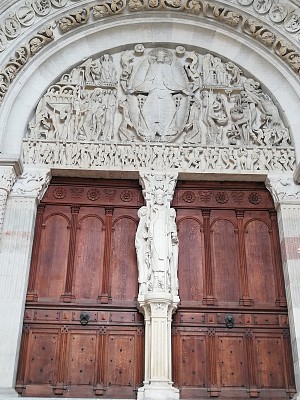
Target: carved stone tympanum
x,y
180,109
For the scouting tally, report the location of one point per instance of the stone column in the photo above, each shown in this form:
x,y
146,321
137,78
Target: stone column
x,y
157,255
15,254
286,194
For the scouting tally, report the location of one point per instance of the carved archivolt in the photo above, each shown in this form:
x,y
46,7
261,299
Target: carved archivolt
x,y
256,29
158,107
25,13
21,57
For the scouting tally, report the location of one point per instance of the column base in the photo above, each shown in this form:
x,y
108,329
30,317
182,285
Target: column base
x,y
158,390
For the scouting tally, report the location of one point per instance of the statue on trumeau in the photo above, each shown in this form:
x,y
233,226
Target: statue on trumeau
x,y
156,237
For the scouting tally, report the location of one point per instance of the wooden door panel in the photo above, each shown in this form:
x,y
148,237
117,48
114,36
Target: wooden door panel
x,y
121,359
85,251
260,262
231,363
271,366
190,264
53,255
81,358
89,257
123,260
192,360
42,357
225,260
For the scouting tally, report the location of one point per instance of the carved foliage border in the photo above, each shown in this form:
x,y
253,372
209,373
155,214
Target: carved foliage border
x,y
22,14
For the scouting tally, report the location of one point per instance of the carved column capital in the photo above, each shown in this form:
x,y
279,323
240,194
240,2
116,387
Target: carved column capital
x,y
153,306
7,178
32,183
283,189
9,170
154,183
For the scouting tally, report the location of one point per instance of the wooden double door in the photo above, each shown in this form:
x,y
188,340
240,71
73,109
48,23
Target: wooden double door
x,y
82,333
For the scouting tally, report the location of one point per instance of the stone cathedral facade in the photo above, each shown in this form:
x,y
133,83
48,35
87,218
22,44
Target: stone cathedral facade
x,y
150,199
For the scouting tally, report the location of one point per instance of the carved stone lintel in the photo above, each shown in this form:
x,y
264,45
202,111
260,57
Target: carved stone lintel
x,y
157,156
32,183
283,189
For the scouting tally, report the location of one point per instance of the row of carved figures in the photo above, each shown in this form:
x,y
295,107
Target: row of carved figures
x,y
84,155
159,95
89,115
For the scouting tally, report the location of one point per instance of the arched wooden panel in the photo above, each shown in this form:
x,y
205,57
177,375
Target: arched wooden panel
x,y
124,274
260,267
53,257
191,255
89,257
225,261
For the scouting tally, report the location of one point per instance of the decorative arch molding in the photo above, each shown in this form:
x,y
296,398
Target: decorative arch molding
x,y
48,65
20,17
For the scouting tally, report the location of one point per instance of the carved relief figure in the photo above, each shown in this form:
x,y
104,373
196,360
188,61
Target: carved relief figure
x,y
159,102
142,249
